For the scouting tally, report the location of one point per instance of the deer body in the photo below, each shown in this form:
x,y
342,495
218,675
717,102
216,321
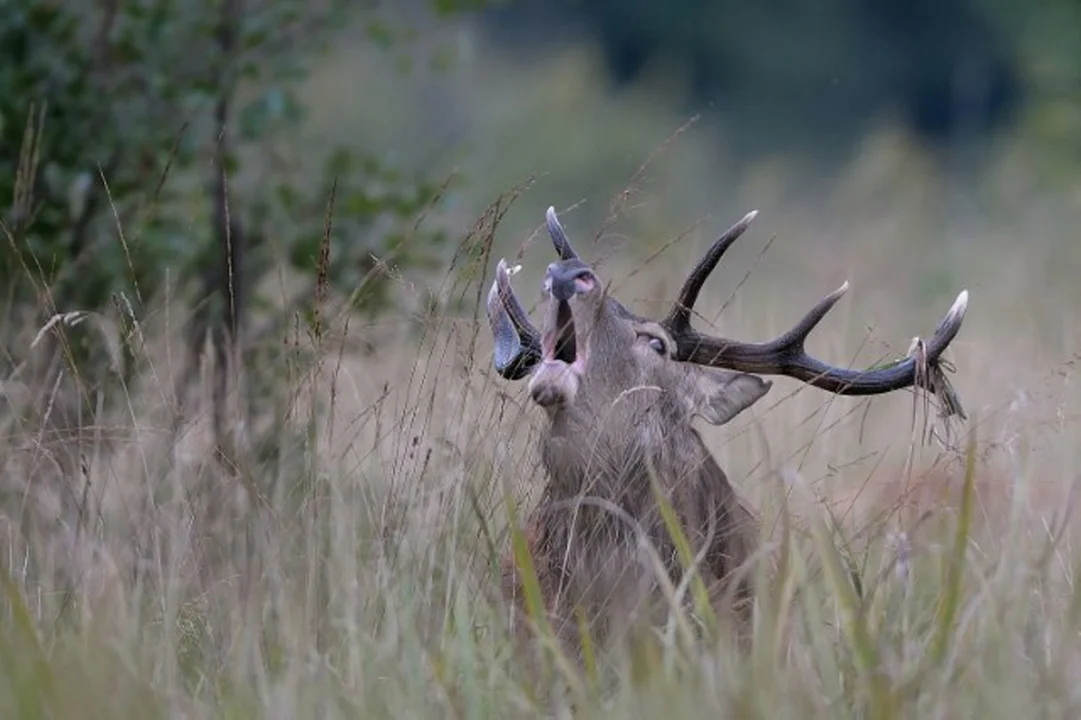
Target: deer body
x,y
599,511
621,392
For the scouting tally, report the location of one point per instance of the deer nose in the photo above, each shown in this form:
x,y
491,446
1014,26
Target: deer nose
x,y
563,279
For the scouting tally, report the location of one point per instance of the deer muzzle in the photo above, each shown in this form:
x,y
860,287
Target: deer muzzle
x,y
568,278
563,351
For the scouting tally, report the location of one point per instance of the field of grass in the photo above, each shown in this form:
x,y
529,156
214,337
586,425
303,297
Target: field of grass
x,y
349,567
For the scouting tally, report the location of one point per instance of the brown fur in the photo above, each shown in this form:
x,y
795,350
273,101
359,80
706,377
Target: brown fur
x,y
627,418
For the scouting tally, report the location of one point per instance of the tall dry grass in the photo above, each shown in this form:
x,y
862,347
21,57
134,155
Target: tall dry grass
x,y
348,566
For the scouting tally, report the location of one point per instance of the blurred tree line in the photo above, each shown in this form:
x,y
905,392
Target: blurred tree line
x,y
154,143
816,74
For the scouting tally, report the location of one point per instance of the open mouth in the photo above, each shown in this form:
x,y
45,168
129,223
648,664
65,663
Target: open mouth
x,y
560,343
555,381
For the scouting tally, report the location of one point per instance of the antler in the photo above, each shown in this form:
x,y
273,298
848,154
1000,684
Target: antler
x,y
517,341
559,236
679,319
786,354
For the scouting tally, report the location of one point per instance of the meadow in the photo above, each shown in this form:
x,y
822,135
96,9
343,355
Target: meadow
x,y
349,568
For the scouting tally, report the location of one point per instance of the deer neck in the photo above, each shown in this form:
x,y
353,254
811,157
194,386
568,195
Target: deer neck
x,y
617,458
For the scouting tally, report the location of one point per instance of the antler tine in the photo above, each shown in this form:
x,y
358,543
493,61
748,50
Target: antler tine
x,y
679,319
797,336
559,236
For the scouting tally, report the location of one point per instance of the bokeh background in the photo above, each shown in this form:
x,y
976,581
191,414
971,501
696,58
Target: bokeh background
x,y
244,243
914,148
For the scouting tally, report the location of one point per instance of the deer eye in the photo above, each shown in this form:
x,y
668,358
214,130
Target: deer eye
x,y
654,342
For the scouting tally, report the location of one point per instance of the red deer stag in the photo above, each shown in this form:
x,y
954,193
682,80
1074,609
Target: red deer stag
x,y
620,391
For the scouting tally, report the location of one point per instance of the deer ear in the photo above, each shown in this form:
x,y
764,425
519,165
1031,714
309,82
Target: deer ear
x,y
722,394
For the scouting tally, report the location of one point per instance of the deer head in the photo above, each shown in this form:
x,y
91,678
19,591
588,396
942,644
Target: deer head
x,y
620,392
